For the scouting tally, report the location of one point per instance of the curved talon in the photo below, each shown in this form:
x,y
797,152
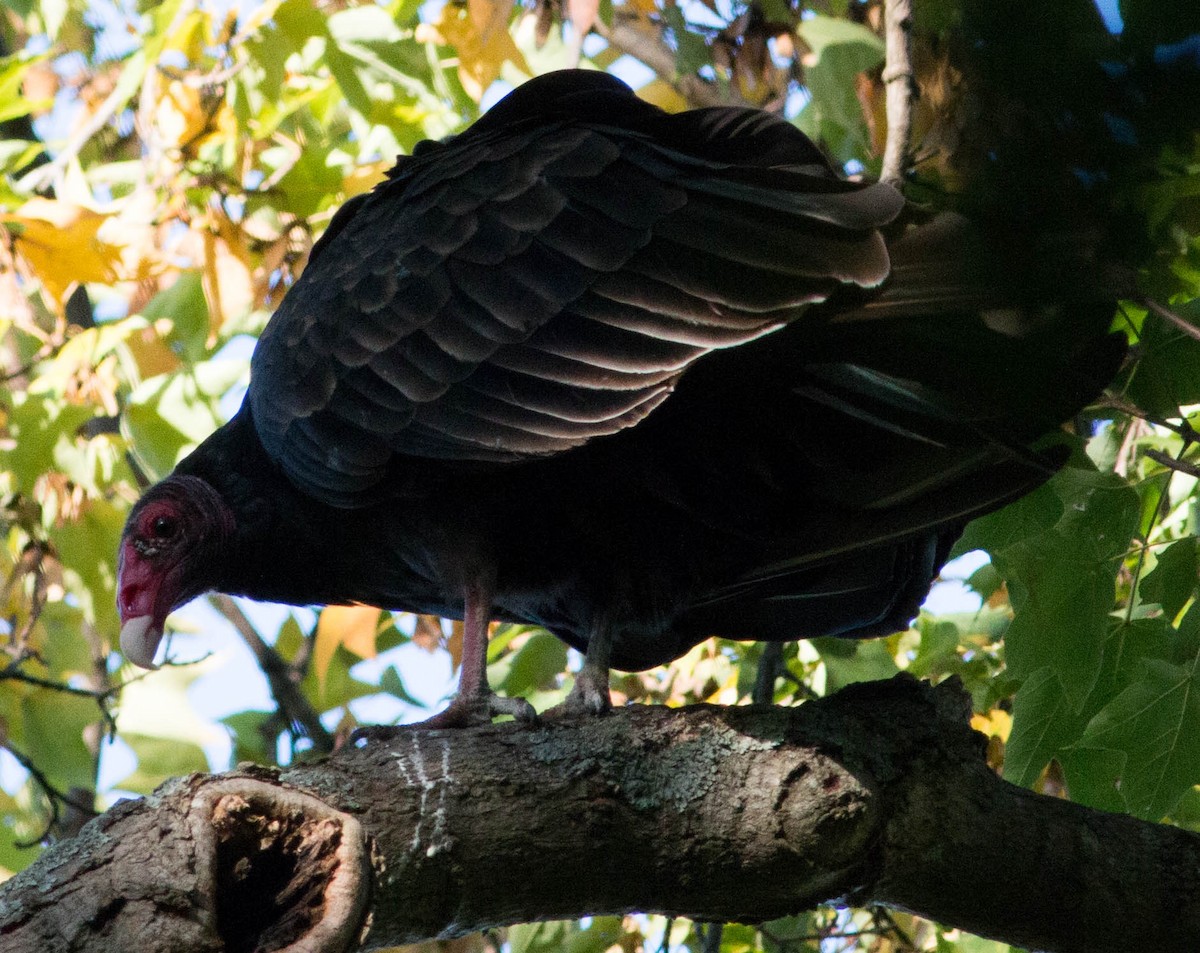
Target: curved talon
x,y
519,708
372,733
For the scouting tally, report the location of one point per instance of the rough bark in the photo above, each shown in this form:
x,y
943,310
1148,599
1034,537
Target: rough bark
x,y
901,88
879,793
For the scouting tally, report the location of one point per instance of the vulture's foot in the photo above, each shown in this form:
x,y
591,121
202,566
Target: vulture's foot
x,y
468,712
589,696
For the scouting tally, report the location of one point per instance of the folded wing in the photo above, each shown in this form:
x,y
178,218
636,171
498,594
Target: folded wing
x,y
545,278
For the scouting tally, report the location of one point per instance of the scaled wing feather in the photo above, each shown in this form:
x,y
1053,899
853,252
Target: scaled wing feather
x,y
541,280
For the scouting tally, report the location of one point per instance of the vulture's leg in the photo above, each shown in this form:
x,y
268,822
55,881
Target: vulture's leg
x,y
475,703
589,695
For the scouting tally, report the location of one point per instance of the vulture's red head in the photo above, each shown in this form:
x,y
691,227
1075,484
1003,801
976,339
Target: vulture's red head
x,y
170,553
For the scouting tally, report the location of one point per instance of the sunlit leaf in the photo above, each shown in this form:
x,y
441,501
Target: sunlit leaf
x,y
566,936
61,244
155,705
848,661
482,49
168,415
353,627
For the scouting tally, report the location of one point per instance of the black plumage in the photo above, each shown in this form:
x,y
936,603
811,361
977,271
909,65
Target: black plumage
x,y
631,376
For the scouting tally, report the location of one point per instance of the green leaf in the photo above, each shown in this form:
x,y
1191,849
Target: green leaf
x,y
776,11
1155,724
166,416
986,581
1027,518
392,683
841,50
338,687
17,828
1172,581
1167,373
691,52
298,20
249,741
1061,576
13,103
49,728
185,306
535,664
938,646
1043,723
848,660
1187,812
160,759
565,936
1092,776
67,652
87,547
41,426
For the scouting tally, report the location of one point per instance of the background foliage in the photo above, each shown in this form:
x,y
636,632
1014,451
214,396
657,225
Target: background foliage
x,y
164,170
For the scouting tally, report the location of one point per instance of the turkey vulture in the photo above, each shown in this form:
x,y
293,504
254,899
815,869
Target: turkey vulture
x,y
631,376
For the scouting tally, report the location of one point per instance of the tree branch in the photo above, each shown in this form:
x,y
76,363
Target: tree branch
x,y
282,679
877,794
898,80
627,36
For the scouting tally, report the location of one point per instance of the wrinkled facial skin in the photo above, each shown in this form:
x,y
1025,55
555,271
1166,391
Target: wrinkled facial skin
x,y
172,533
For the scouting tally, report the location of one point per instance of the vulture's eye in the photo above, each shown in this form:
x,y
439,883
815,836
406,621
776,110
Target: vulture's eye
x,y
163,527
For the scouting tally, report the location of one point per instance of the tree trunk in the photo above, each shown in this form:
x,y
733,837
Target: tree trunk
x,y
879,793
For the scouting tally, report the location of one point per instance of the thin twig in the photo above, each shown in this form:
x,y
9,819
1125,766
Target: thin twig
x,y
46,176
1171,317
626,36
898,79
1118,403
710,938
769,665
282,679
53,795
666,937
1182,466
13,671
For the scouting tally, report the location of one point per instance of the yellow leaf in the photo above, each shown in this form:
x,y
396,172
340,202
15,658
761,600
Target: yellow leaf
x,y
178,115
363,178
663,95
488,16
59,241
187,117
996,723
644,9
355,627
228,277
150,353
189,35
481,38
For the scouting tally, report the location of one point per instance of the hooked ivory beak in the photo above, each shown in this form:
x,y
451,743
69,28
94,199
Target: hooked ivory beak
x,y
139,640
